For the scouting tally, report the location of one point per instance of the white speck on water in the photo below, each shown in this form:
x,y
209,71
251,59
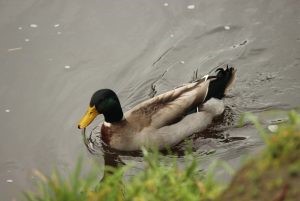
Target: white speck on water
x,y
33,25
227,27
9,180
20,28
50,59
172,35
182,62
14,49
67,67
58,33
7,110
191,7
166,4
56,25
273,128
27,40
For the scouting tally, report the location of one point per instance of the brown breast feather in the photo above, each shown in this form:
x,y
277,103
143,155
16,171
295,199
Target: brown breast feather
x,y
106,134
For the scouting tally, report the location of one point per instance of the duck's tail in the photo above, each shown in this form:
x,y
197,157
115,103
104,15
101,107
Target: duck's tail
x,y
220,83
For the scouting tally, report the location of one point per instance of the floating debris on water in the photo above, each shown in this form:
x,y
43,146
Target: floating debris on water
x,y
9,180
33,25
273,128
67,67
244,42
270,77
267,76
20,28
172,35
14,49
227,27
27,40
56,25
191,7
166,4
208,152
279,120
241,44
226,136
182,62
7,110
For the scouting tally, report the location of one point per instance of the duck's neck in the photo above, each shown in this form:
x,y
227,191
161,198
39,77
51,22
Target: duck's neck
x,y
115,114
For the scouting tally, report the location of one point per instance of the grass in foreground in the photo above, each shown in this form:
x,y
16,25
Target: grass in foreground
x,y
156,182
273,175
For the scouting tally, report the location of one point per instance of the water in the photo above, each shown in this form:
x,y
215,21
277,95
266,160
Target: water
x,y
49,72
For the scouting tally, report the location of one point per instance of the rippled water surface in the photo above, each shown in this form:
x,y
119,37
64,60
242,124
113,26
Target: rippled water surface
x,y
55,53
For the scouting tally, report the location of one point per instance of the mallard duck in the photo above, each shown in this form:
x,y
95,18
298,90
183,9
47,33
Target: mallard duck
x,y
161,121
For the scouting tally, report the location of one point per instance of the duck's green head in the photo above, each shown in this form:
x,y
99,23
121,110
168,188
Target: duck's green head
x,y
106,102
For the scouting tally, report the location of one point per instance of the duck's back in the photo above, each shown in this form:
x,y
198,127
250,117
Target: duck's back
x,y
168,107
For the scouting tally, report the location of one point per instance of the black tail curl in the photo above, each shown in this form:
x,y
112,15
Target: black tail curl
x,y
219,84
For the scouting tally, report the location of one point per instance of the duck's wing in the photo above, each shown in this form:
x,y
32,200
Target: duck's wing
x,y
168,107
170,135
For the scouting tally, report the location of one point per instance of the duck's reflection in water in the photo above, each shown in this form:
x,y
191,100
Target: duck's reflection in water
x,y
96,146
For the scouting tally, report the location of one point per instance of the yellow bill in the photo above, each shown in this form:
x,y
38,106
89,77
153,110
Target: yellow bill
x,y
89,116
